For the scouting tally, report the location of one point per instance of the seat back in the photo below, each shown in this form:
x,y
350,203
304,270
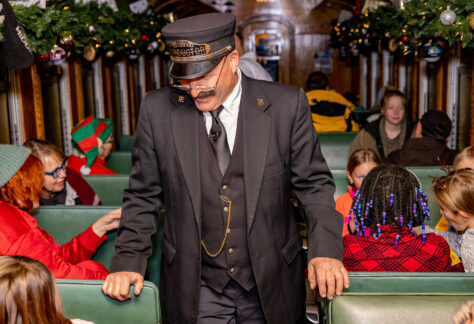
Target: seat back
x,y
109,188
126,142
120,162
335,148
394,297
65,222
359,308
84,299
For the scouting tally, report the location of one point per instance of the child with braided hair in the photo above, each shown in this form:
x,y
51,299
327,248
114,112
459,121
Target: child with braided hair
x,y
388,215
455,195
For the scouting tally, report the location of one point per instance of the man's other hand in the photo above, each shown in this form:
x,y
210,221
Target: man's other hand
x,y
117,285
329,275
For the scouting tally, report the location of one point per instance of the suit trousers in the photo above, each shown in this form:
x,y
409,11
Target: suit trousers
x,y
234,305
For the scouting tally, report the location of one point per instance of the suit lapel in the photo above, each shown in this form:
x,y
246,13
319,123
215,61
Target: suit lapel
x,y
256,126
185,128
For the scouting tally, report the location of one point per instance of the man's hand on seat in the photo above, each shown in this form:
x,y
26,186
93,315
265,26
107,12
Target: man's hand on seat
x,y
329,275
117,285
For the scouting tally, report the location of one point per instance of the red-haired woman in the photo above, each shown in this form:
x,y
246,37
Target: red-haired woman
x,y
21,182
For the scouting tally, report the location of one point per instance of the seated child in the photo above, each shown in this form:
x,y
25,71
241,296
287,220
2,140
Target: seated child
x,y
463,160
455,195
359,164
464,314
29,293
92,141
389,213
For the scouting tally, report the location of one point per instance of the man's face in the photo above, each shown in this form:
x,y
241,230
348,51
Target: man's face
x,y
221,79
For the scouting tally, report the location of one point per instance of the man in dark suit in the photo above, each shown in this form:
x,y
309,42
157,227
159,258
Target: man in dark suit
x,y
222,152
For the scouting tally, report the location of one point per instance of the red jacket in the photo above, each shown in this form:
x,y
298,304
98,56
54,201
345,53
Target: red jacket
x,y
343,205
98,167
21,235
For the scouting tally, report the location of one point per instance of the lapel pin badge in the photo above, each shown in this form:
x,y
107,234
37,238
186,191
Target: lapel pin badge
x,y
260,101
180,99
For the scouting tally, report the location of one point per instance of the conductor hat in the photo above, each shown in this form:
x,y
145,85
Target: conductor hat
x,y
196,44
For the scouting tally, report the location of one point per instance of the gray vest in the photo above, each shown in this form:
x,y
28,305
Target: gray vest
x,y
233,262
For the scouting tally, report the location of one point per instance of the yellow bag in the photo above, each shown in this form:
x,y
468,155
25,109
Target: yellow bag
x,y
331,112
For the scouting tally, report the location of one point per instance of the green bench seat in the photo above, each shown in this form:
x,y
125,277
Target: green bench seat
x,y
126,142
335,148
65,222
84,299
109,188
120,162
382,297
387,308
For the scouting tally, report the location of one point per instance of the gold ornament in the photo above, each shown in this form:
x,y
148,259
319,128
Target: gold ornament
x,y
110,53
162,46
392,45
89,53
67,39
472,21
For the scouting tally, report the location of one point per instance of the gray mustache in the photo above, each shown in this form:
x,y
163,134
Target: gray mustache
x,y
205,94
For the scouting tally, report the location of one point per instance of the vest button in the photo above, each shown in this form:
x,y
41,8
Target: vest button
x,y
231,250
226,209
232,270
225,187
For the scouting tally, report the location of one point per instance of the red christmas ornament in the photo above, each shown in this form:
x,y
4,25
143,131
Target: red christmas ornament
x,y
404,38
144,37
43,58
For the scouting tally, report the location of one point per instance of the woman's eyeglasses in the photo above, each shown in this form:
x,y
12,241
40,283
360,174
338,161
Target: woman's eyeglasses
x,y
57,172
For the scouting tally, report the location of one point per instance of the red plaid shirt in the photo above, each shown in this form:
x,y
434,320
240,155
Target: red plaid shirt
x,y
367,254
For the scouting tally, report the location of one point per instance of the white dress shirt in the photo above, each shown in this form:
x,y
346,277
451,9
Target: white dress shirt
x,y
229,115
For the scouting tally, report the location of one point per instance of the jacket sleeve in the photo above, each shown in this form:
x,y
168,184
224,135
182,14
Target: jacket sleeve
x,y
69,261
142,200
314,186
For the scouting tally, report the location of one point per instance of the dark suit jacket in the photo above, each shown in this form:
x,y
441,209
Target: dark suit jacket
x,y
281,151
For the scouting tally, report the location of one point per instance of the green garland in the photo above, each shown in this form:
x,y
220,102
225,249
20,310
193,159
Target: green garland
x,y
407,30
76,26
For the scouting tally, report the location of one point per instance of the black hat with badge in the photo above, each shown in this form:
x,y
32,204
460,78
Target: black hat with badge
x,y
14,49
196,44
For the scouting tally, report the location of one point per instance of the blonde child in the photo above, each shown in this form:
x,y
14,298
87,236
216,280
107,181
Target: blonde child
x,y
359,165
455,195
463,160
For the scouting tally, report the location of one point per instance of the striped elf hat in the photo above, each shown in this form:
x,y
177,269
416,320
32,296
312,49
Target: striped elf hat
x,y
85,137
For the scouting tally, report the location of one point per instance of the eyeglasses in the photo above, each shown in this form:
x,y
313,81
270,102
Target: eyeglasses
x,y
57,172
201,87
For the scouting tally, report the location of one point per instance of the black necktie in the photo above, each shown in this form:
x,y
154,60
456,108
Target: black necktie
x,y
218,138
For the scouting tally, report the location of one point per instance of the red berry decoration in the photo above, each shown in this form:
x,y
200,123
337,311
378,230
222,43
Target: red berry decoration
x,y
404,38
144,37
